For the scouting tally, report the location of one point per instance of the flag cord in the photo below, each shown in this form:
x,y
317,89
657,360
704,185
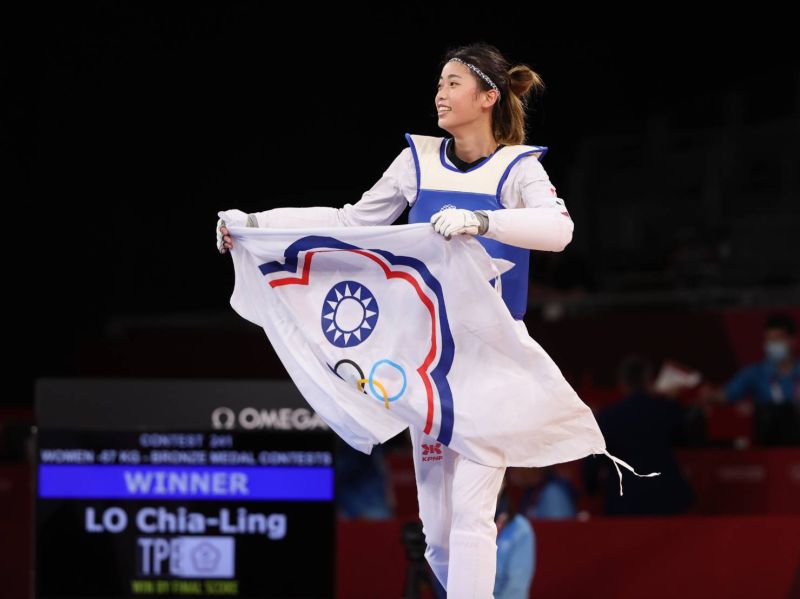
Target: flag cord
x,y
628,466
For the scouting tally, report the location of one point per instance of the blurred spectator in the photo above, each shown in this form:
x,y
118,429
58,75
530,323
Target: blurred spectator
x,y
547,496
361,483
643,427
516,552
773,383
681,383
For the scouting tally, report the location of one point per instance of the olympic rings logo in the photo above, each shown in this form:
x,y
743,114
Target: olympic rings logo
x,y
380,393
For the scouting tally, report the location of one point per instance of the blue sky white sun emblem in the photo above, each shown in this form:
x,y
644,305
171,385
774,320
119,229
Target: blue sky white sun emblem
x,y
349,314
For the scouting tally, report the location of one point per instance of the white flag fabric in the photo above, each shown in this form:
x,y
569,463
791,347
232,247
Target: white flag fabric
x,y
383,327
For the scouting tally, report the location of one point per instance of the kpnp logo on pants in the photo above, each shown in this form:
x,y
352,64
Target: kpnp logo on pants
x,y
431,448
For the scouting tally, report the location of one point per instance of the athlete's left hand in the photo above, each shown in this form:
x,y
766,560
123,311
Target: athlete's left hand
x,y
455,221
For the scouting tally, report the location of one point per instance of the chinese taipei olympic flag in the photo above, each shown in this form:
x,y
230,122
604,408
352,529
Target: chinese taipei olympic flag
x,y
383,327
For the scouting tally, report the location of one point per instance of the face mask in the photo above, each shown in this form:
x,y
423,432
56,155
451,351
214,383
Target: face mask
x,y
776,350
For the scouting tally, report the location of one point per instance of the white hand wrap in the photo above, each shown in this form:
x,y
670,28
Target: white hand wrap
x,y
455,221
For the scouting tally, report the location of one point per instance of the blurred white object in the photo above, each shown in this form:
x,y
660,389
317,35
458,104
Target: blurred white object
x,y
674,377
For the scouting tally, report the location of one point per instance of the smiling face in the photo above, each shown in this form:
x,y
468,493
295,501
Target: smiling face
x,y
465,103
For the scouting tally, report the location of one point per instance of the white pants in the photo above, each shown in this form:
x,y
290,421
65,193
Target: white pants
x,y
457,502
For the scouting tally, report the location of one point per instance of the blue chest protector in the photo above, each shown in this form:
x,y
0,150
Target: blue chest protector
x,y
440,184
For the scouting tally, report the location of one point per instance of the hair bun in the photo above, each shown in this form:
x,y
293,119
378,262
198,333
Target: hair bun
x,y
523,81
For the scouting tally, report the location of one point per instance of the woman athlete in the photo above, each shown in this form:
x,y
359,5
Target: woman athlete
x,y
478,181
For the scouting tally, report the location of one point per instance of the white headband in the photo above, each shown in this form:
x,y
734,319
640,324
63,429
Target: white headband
x,y
481,74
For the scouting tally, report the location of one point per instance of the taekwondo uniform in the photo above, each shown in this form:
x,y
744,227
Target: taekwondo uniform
x,y
457,496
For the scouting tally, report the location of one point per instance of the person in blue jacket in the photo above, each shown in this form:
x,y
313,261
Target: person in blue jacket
x,y
773,383
516,551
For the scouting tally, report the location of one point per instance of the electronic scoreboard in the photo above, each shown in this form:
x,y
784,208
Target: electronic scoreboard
x,y
182,488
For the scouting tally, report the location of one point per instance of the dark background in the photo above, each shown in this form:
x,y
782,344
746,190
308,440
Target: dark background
x,y
128,125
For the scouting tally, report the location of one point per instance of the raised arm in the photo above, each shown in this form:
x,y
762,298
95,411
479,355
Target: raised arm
x,y
380,205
